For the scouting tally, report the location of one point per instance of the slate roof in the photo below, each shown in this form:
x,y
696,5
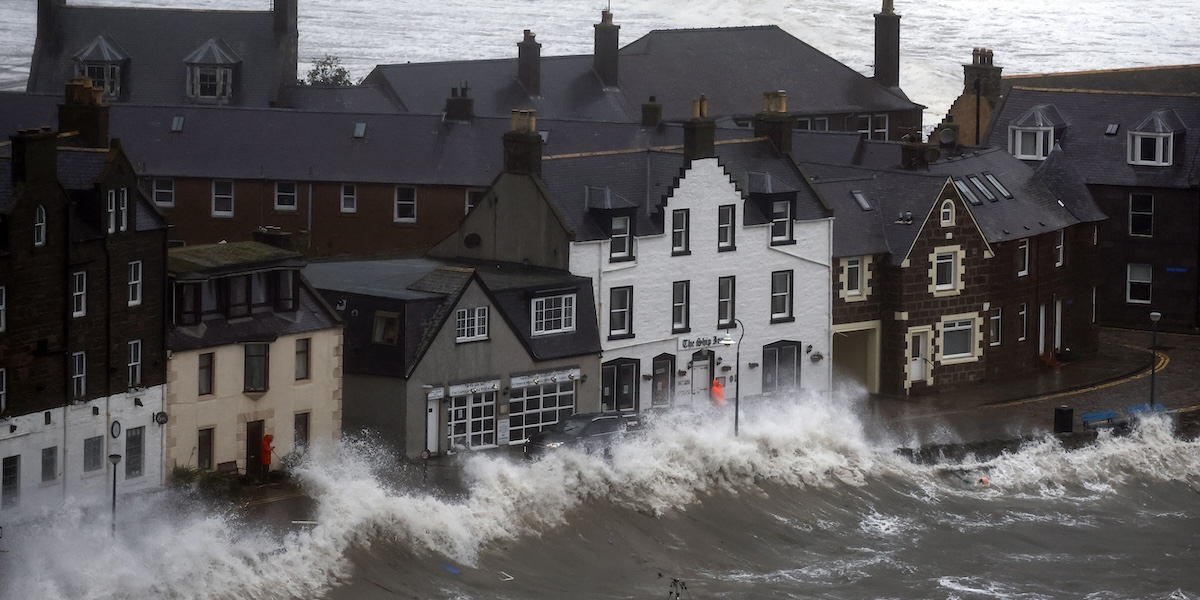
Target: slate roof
x,y
380,278
20,110
157,42
646,178
1174,79
892,191
312,314
330,98
732,66
1102,159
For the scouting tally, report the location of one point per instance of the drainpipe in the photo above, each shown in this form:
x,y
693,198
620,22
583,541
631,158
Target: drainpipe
x,y
310,210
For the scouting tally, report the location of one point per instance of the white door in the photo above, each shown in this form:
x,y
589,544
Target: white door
x,y
917,362
431,425
701,381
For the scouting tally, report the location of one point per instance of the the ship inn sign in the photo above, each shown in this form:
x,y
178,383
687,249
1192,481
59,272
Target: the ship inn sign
x,y
700,342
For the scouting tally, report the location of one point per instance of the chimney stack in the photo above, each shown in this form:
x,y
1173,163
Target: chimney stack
x,y
984,71
34,156
47,19
774,122
523,144
529,67
699,132
651,113
460,106
887,46
285,13
605,57
86,112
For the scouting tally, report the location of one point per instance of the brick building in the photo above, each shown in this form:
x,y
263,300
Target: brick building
x,y
82,357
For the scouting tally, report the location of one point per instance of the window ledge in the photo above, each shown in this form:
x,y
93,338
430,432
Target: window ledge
x,y
621,259
958,359
470,339
775,320
682,330
729,325
255,394
681,252
783,242
726,248
621,336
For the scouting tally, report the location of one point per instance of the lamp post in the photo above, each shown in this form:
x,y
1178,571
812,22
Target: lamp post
x,y
114,459
1154,317
737,373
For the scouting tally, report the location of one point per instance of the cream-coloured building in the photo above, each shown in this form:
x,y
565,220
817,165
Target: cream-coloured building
x,y
253,350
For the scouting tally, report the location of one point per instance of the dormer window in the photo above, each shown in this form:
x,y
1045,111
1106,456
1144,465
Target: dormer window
x,y
1152,142
210,70
101,61
1032,136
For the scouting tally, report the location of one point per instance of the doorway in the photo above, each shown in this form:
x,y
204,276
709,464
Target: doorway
x,y
701,376
431,423
662,392
254,436
918,362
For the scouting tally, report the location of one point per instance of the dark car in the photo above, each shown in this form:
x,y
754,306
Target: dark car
x,y
589,431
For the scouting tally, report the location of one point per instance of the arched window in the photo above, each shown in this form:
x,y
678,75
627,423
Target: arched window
x,y
947,213
39,226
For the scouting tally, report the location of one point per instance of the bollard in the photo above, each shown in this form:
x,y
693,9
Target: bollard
x,y
1064,419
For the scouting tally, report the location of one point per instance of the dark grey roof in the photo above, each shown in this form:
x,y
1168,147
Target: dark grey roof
x,y
157,42
732,66
513,285
331,98
646,178
312,314
380,278
1175,79
1033,209
19,110
1103,159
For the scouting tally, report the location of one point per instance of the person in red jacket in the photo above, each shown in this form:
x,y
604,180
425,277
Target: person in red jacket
x,y
265,455
718,393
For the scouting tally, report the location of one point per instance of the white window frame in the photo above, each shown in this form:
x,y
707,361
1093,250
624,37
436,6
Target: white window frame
x,y
221,82
409,215
468,194
303,369
135,283
39,226
284,199
112,211
1145,276
681,317
473,415
952,326
552,314
957,275
995,326
944,259
134,372
1023,253
123,210
1023,315
217,196
1060,252
554,401
1043,142
1141,213
726,301
1163,148
781,222
726,232
782,284
854,270
164,191
620,311
620,239
349,198
680,234
104,75
946,215
79,294
471,324
78,375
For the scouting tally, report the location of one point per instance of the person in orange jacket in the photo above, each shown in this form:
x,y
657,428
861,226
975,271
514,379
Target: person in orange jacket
x,y
265,455
718,393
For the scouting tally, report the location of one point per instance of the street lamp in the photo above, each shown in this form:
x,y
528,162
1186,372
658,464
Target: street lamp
x,y
737,373
114,459
1154,317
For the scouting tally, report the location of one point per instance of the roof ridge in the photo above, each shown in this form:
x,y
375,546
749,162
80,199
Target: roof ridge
x,y
1097,71
1114,92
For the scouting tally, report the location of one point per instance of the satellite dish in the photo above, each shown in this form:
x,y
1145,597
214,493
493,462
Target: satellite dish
x,y
160,417
932,154
947,136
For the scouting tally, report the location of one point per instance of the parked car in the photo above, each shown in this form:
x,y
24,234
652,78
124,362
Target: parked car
x,y
589,431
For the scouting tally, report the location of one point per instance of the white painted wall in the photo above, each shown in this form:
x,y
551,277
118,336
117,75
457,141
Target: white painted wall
x,y
705,187
66,431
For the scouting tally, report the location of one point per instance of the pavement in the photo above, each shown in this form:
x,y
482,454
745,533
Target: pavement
x,y
1115,377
